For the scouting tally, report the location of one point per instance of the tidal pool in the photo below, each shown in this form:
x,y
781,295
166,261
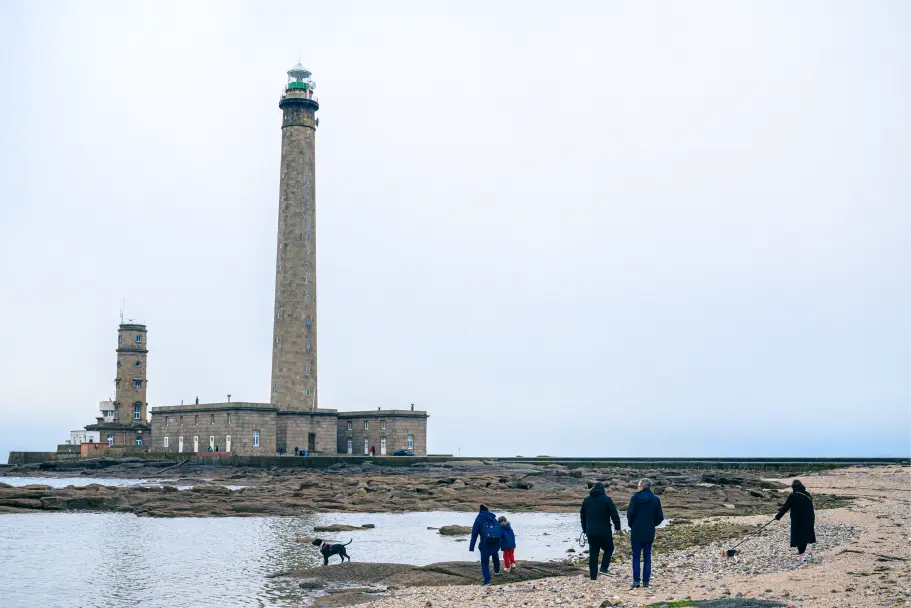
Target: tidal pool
x,y
108,560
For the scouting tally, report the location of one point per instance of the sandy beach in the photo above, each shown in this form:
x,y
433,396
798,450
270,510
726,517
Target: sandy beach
x,y
862,558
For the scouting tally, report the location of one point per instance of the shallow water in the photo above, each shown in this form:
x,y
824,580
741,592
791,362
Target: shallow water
x,y
79,482
111,560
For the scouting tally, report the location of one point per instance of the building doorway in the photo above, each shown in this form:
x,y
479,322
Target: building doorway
x,y
180,444
311,442
228,443
212,442
195,444
350,447
382,446
110,441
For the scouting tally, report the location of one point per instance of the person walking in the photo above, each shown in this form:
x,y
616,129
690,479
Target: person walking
x,y
643,515
803,518
508,544
488,530
597,513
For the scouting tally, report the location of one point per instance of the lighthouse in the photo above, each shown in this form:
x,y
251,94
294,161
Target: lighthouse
x,y
294,362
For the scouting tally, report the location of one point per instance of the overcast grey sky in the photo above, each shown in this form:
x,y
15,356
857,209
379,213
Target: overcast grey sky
x,y
614,228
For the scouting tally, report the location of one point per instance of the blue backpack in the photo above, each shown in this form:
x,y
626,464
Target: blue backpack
x,y
491,531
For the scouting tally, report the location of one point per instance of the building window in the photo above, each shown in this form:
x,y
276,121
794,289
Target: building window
x,y
229,418
180,420
276,339
196,419
116,412
410,442
277,315
308,392
349,426
137,383
308,368
212,421
137,412
110,440
279,267
308,344
255,439
307,297
166,421
139,364
274,387
138,439
307,321
383,424
119,339
165,442
366,425
308,274
139,339
279,291
366,446
308,228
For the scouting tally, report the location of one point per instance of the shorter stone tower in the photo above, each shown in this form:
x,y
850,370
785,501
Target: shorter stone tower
x,y
130,396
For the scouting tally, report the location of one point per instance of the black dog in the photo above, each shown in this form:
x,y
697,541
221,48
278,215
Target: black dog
x,y
328,550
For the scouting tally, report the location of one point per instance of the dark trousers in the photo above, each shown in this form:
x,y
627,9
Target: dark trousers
x,y
595,545
645,550
486,554
801,548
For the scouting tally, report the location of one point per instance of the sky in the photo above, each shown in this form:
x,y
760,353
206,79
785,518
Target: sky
x,y
593,229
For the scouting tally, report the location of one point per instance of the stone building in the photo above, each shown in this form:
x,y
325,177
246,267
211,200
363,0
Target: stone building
x,y
128,426
293,418
383,431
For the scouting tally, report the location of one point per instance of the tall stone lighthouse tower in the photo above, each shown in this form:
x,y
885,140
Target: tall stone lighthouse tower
x,y
130,390
294,339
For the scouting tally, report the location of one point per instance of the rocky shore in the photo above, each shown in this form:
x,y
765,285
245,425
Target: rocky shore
x,y
200,491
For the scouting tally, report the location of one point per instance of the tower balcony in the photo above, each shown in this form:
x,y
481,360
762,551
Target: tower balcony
x,y
298,93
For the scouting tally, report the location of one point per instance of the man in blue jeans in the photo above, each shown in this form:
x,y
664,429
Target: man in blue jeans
x,y
487,529
643,515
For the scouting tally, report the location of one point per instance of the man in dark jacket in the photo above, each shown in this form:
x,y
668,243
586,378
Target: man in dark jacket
x,y
643,515
597,512
489,545
803,518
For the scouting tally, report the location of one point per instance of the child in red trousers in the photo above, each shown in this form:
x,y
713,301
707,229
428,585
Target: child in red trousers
x,y
508,544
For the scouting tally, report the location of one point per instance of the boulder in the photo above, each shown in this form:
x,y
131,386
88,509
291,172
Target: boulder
x,y
455,530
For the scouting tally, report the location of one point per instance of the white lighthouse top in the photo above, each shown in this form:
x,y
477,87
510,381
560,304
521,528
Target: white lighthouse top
x,y
299,72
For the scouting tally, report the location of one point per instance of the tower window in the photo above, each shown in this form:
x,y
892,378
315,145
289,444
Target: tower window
x,y
137,412
308,251
166,421
229,418
307,297
274,387
212,421
180,420
277,315
119,339
308,368
307,321
279,291
137,383
139,364
308,227
196,419
139,339
308,392
255,439
276,339
308,274
279,267
308,344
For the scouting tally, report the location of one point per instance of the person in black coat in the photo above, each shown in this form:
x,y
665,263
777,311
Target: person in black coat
x,y
643,516
597,512
803,518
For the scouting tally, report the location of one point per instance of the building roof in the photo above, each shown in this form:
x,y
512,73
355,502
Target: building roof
x,y
195,408
385,414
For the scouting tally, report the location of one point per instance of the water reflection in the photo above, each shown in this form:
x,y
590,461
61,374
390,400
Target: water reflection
x,y
113,560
